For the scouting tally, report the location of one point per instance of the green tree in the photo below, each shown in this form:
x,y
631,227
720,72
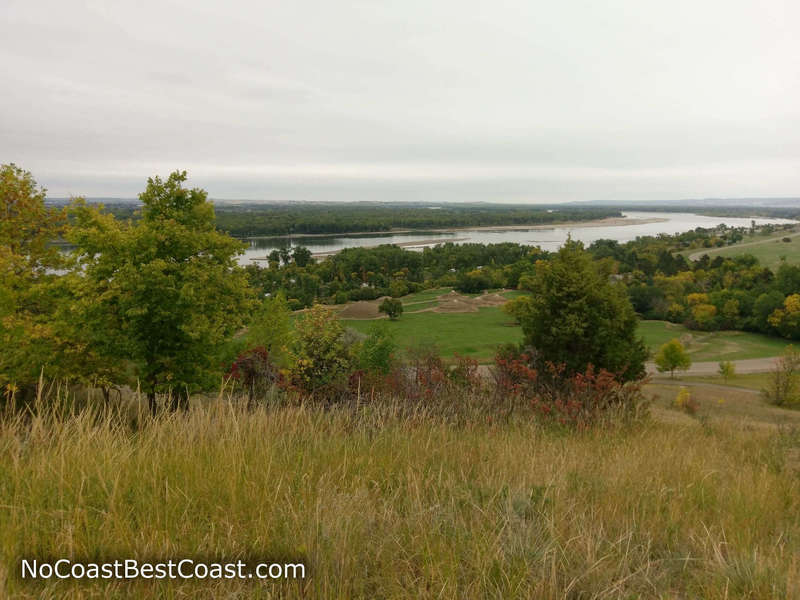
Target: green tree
x,y
165,290
377,351
29,290
392,307
398,288
302,256
576,316
671,356
726,370
270,327
320,358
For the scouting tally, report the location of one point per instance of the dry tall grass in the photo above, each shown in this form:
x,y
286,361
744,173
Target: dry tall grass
x,y
383,506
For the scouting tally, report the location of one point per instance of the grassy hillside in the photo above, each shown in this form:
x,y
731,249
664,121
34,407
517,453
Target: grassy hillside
x,y
714,345
380,507
767,249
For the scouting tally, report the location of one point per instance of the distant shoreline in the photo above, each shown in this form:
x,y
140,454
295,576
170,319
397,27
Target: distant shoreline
x,y
607,222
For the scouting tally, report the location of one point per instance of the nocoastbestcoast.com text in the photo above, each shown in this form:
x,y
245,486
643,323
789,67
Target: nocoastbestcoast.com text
x,y
186,568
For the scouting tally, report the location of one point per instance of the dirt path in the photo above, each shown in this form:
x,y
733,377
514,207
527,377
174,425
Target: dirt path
x,y
710,251
752,365
701,384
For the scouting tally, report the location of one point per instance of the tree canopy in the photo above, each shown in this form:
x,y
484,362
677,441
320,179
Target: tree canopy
x,y
28,294
576,316
163,291
672,356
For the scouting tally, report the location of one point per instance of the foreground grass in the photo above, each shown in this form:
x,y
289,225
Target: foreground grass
x,y
719,404
380,506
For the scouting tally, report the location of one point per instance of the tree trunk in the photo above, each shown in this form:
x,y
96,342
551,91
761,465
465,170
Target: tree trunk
x,y
151,396
180,400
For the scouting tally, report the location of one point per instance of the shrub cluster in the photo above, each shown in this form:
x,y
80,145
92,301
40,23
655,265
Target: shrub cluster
x,y
328,367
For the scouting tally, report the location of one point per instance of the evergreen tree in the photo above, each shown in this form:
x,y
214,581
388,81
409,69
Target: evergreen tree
x,y
576,316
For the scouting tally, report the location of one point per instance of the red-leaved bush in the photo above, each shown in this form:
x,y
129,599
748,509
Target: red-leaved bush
x,y
255,371
575,400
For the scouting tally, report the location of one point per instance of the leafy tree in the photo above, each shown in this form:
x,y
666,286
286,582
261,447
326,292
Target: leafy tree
x,y
786,320
285,254
302,256
398,288
783,387
703,315
788,278
392,307
165,290
29,295
320,358
377,351
473,281
577,317
270,327
764,305
671,356
727,370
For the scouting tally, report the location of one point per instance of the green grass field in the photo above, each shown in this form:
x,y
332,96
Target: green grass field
x,y
415,306
476,335
426,296
715,345
767,249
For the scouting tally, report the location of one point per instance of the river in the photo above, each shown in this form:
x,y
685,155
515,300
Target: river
x,y
547,237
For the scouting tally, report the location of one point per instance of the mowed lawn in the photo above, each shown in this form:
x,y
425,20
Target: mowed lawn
x,y
476,335
712,345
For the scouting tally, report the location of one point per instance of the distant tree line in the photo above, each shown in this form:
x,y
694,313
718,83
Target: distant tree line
x,y
315,218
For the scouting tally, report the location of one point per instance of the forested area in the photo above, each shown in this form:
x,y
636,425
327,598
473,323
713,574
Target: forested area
x,y
246,220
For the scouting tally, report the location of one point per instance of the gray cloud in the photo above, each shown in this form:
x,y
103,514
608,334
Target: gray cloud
x,y
516,101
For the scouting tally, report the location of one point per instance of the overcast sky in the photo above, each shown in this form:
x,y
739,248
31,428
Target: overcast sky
x,y
523,101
